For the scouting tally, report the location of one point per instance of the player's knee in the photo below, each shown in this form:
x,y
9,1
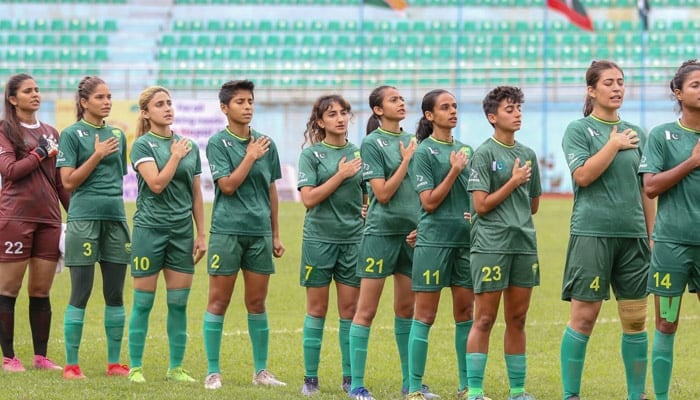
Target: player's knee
x,y
484,323
633,315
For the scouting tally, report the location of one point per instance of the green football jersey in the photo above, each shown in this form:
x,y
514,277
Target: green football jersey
x,y
337,219
247,210
100,196
508,228
174,204
381,157
678,212
611,206
446,226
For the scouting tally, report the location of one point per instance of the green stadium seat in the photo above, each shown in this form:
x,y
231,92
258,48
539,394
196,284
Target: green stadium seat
x,y
214,25
429,40
230,25
92,25
182,54
75,24
180,26
446,41
30,55
235,54
6,25
333,26
66,40
167,40
204,40
317,26
185,40
199,54
326,40
291,40
350,25
83,55
299,25
255,40
288,54
14,39
282,25
22,25
238,40
65,55
48,55
308,40
109,25
41,25
84,40
377,40
264,25
220,40
273,40
196,26
164,54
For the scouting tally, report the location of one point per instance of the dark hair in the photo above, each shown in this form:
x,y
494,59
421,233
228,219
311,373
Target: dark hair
x,y
314,133
229,89
11,124
494,98
592,77
144,125
425,127
376,98
86,88
681,75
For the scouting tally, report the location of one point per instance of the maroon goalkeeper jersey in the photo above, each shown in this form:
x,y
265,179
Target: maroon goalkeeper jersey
x,y
31,189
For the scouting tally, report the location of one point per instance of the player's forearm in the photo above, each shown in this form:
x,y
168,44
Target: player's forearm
x,y
312,196
13,169
229,184
391,185
274,211
595,166
431,199
198,206
649,207
657,184
75,178
484,204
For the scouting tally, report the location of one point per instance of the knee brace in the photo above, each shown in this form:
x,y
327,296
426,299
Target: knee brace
x,y
633,315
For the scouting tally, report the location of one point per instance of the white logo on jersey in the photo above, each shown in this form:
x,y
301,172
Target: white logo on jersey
x,y
320,155
82,133
671,136
227,143
433,151
473,176
382,142
153,145
643,161
571,156
593,132
301,177
420,181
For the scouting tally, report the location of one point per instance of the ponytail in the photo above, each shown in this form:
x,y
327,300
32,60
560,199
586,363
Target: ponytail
x,y
587,106
423,129
373,123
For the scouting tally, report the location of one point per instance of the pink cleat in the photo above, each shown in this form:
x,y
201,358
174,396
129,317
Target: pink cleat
x,y
71,372
41,362
117,369
12,364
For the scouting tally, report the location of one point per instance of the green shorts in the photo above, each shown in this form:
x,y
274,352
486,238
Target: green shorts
x,y
97,240
154,249
229,253
673,266
437,267
321,262
594,264
382,256
496,272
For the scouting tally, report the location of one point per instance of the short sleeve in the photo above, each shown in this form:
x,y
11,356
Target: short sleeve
x,y
275,168
372,161
140,152
575,146
308,175
67,150
218,160
422,171
653,156
535,181
479,173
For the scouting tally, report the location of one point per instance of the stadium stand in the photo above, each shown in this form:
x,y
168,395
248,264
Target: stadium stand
x,y
194,50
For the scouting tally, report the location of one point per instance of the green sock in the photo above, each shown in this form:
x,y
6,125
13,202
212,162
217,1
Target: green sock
x,y
359,337
476,366
177,324
344,340
634,356
114,329
572,355
418,353
212,328
73,332
662,363
461,334
402,331
516,366
138,326
259,333
312,337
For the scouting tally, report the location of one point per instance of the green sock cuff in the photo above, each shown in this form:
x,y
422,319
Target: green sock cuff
x,y
344,324
314,322
467,324
74,313
663,341
209,317
257,317
114,316
640,337
359,331
177,296
402,325
143,298
577,336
